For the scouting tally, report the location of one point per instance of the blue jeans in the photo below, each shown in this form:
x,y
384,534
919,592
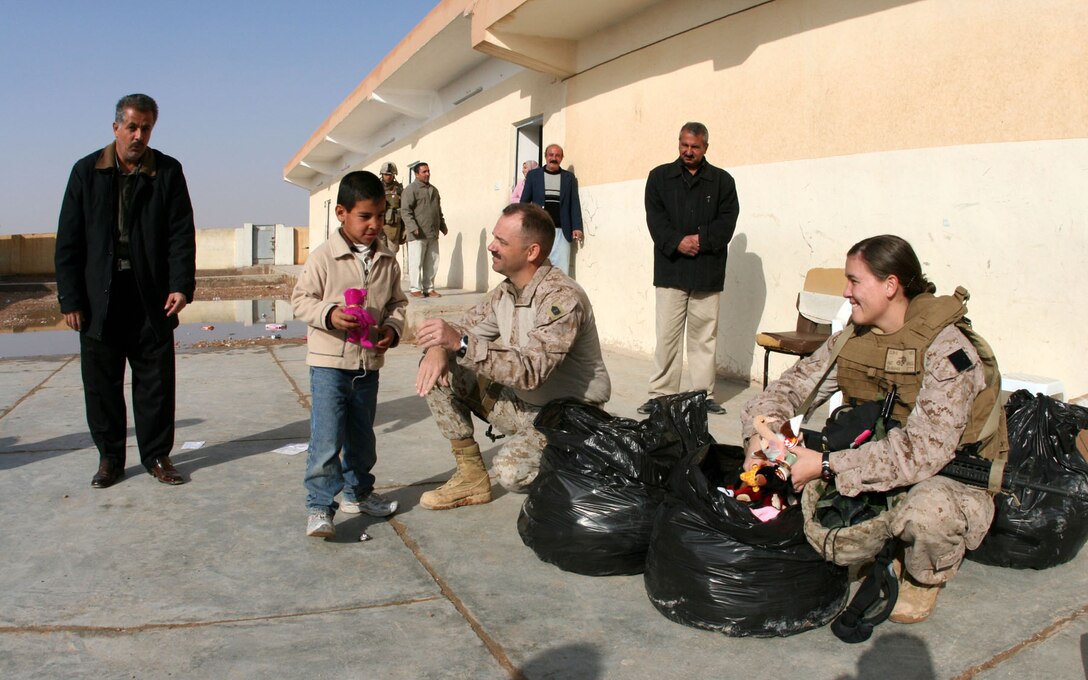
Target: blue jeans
x,y
560,255
342,449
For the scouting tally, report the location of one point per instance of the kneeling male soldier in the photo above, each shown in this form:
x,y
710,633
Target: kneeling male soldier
x,y
904,341
530,340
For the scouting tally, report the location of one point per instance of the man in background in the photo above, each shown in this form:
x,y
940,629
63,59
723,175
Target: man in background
x,y
421,210
691,211
126,266
556,190
392,234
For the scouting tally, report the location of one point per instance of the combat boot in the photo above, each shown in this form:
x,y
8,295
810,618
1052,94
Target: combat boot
x,y
470,485
916,600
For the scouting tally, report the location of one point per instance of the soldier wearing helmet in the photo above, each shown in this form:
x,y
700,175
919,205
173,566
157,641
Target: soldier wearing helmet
x,y
393,232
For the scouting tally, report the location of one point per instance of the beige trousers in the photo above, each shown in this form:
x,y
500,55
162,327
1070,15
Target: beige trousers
x,y
698,311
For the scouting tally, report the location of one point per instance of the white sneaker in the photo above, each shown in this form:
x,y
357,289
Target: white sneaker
x,y
373,505
319,524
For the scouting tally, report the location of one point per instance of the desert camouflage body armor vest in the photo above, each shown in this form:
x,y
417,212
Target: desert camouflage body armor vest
x,y
871,362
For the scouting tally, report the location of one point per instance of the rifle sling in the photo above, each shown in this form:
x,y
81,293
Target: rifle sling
x,y
997,475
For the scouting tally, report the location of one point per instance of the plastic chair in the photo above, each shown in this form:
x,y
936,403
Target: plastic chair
x,y
820,305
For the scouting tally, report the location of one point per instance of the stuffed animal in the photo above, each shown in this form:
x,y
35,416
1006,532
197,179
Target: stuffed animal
x,y
767,485
353,305
762,485
777,445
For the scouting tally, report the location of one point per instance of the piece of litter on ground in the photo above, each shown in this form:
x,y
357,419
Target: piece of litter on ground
x,y
209,327
364,536
291,449
275,326
192,445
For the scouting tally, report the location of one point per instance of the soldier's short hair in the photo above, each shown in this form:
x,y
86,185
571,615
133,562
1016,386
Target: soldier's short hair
x,y
697,129
140,102
536,224
359,186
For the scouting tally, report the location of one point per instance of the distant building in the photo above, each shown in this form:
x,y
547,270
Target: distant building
x,y
961,125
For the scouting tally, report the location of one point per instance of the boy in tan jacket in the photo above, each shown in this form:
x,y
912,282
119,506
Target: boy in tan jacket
x,y
344,375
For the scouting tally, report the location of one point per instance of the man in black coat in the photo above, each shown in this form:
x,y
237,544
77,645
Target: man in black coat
x,y
126,264
691,211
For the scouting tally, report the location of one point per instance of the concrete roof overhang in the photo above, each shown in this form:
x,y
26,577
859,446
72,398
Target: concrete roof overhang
x,y
463,47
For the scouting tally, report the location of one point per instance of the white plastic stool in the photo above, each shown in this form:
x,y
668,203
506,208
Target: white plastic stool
x,y
1036,384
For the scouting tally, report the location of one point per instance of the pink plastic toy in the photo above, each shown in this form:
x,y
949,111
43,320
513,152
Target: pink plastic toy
x,y
353,305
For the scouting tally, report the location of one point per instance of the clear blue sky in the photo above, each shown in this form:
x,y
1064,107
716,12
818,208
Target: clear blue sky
x,y
241,86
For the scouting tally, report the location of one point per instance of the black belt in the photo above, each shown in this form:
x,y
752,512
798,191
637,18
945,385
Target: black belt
x,y
124,265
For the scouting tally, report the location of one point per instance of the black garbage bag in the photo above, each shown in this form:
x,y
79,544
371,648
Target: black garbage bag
x,y
1038,529
590,509
713,564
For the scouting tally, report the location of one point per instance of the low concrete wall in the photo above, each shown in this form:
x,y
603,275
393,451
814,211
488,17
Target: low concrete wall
x,y
22,254
32,254
215,248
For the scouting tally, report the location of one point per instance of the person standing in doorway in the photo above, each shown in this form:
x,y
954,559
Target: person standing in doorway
x,y
691,211
519,188
421,210
556,190
126,266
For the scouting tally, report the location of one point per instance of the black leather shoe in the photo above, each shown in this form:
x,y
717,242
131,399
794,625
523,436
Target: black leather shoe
x,y
109,473
715,408
646,408
164,471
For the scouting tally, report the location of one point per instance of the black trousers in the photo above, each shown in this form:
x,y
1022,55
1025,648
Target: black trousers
x,y
128,336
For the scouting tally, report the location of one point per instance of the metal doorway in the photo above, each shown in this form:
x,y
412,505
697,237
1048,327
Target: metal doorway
x,y
264,244
530,137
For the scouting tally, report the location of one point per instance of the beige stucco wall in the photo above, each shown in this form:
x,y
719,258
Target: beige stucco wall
x,y
809,79
470,151
961,125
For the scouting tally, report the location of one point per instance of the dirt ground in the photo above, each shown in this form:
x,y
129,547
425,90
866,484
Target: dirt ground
x,y
23,309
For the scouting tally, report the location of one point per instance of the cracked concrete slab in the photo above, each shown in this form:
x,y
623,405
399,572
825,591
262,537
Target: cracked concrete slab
x,y
216,578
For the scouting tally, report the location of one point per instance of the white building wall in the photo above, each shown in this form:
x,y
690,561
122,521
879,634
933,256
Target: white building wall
x,y
961,125
984,216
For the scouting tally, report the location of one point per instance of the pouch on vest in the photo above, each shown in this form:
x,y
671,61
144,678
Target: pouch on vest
x,y
848,428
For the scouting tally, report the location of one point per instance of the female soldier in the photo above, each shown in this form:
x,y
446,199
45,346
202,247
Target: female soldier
x,y
902,335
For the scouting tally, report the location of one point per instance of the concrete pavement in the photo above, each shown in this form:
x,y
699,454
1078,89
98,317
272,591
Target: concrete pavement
x,y
216,578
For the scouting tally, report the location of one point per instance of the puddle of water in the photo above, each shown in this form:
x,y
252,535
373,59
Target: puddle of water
x,y
230,319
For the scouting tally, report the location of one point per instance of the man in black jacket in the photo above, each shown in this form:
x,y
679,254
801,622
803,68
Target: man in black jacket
x,y
691,210
125,264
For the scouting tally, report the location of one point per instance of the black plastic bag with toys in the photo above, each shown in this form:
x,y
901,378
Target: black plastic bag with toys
x,y
714,564
1048,445
590,509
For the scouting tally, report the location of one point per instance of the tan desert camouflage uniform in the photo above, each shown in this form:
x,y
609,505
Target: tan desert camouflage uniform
x,y
523,351
392,234
939,518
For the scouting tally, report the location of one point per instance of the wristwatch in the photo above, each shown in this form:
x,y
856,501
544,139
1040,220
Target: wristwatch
x,y
464,347
826,473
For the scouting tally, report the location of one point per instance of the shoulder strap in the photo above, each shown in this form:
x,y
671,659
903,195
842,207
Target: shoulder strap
x,y
840,342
